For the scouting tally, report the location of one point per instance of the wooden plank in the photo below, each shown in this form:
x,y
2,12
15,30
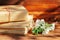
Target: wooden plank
x,y
12,28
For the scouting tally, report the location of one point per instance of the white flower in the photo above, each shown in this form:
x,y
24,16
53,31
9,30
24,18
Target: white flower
x,y
37,22
53,26
47,27
46,31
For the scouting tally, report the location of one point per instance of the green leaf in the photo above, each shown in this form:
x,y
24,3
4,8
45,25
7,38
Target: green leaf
x,y
40,29
37,30
47,25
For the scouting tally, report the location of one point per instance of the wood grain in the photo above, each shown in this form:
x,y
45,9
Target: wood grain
x,y
53,35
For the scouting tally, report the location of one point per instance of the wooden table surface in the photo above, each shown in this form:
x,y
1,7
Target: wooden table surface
x,y
51,36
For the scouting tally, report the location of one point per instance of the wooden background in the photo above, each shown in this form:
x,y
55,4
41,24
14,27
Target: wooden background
x,y
36,7
55,35
41,5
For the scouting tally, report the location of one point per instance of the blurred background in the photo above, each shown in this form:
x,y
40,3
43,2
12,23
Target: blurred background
x,y
44,9
40,9
49,10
